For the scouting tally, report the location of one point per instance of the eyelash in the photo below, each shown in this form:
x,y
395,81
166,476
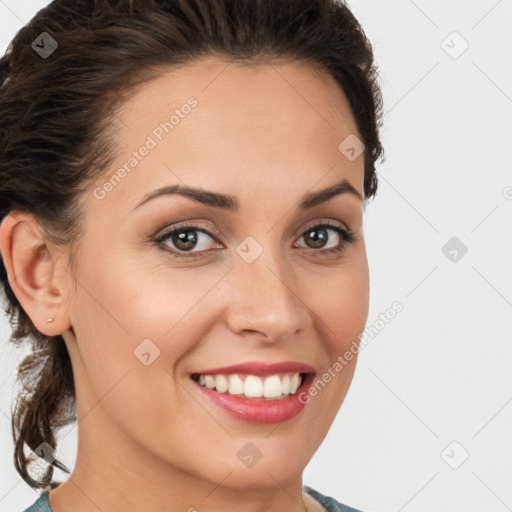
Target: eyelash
x,y
347,235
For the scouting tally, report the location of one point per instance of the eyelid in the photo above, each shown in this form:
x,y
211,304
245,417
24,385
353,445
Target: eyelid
x,y
341,229
326,221
207,228
211,228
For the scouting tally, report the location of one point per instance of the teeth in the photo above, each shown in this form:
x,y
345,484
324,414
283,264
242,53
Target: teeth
x,y
236,385
286,384
221,383
294,383
209,381
253,386
272,387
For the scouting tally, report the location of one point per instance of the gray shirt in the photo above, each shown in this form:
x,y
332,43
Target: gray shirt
x,y
331,505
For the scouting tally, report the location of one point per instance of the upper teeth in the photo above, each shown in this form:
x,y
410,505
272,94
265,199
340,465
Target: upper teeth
x,y
253,386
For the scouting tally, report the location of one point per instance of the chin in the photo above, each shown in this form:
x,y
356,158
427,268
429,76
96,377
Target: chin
x,y
263,477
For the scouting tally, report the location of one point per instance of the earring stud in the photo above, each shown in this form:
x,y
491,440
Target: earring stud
x,y
50,319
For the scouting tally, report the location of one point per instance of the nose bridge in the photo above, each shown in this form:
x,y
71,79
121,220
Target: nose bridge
x,y
265,295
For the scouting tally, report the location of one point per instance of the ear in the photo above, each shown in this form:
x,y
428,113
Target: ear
x,y
35,272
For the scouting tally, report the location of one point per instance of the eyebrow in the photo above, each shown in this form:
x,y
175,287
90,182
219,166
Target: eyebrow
x,y
231,203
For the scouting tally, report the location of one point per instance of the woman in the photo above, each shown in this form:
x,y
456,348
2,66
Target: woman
x,y
182,193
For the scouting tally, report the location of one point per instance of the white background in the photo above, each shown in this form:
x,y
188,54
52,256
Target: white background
x,y
440,371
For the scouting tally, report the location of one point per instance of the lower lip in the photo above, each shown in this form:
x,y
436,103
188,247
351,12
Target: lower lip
x,y
257,410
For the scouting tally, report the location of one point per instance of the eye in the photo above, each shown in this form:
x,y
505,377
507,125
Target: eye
x,y
184,238
317,237
188,238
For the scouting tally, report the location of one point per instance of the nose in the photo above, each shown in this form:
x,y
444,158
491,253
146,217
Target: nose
x,y
267,297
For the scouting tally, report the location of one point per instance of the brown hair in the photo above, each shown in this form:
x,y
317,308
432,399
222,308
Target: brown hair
x,y
56,128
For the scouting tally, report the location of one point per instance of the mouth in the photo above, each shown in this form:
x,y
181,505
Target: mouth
x,y
257,392
271,387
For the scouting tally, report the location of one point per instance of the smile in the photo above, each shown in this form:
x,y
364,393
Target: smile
x,y
256,391
280,385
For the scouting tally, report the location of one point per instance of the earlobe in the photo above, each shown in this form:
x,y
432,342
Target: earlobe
x,y
30,266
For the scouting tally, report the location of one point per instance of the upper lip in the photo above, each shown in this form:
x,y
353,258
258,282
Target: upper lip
x,y
260,368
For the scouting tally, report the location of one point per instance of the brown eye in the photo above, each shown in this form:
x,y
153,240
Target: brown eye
x,y
318,237
190,241
186,239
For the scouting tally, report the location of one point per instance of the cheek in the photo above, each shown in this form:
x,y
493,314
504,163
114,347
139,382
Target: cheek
x,y
341,310
342,307
118,308
128,308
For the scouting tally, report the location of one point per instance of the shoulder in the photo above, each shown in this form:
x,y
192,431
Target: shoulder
x,y
329,503
41,504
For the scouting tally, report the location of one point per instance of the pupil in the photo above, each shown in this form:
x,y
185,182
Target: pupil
x,y
185,240
318,237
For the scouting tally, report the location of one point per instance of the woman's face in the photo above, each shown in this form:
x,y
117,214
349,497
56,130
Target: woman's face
x,y
242,285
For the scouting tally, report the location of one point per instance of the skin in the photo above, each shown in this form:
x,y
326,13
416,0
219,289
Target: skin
x,y
147,440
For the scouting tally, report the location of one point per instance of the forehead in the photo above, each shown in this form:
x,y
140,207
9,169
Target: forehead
x,y
271,123
237,93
